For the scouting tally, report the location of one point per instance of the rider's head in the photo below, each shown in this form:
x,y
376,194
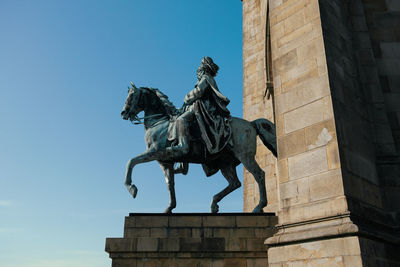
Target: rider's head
x,y
208,66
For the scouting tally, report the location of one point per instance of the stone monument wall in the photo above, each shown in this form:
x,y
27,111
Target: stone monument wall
x,y
335,105
382,21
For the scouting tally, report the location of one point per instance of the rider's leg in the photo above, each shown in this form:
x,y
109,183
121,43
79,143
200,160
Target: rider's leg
x,y
183,134
182,124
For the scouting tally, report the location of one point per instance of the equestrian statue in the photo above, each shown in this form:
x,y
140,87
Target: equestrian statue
x,y
201,131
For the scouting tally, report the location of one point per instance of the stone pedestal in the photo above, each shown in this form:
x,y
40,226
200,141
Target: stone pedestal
x,y
192,240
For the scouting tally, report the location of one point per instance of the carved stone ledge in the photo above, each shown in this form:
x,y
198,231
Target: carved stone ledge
x,y
323,228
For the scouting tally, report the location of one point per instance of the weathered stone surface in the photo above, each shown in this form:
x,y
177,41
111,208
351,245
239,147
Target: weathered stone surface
x,y
326,185
255,105
182,221
336,90
308,163
317,250
308,115
187,239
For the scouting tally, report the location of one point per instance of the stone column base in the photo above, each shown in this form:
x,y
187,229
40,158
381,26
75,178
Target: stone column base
x,y
331,241
192,240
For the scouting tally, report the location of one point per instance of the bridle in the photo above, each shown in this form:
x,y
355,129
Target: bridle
x,y
140,120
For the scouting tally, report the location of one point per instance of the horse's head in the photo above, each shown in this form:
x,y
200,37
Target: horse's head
x,y
132,104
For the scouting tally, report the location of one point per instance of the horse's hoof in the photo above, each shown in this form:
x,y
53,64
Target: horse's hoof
x,y
258,210
214,208
168,211
133,190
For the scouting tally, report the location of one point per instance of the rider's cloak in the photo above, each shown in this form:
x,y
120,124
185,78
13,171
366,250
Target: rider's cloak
x,y
212,114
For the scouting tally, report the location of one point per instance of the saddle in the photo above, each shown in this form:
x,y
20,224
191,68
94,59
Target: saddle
x,y
198,152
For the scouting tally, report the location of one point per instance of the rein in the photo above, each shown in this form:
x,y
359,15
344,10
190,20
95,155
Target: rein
x,y
139,120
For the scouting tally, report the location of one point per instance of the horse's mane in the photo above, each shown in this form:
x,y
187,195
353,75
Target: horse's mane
x,y
169,107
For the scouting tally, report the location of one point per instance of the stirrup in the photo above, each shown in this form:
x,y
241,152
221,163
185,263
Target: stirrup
x,y
183,167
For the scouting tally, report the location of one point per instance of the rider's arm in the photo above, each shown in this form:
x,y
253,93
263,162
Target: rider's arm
x,y
197,92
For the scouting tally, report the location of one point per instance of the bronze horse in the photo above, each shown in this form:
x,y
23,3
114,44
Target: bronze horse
x,y
159,112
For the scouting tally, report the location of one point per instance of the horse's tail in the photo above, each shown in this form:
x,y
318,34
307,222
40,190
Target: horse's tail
x,y
266,131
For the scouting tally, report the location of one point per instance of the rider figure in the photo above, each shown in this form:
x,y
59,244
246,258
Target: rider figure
x,y
208,106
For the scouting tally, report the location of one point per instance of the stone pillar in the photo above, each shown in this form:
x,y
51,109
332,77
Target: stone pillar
x,y
255,104
336,145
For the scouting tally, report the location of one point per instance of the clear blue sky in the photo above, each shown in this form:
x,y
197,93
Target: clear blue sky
x,y
64,71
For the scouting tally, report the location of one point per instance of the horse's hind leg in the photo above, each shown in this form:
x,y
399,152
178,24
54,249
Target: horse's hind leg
x,y
259,175
168,170
230,175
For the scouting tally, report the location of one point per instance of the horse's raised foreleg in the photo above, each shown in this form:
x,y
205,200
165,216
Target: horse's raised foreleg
x,y
168,170
259,175
144,157
230,175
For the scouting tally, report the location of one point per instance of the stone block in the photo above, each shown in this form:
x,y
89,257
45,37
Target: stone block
x,y
222,232
235,244
168,244
361,166
308,163
318,250
234,232
307,115
264,232
262,262
137,232
326,185
151,221
301,93
255,221
185,221
206,244
291,144
295,192
333,156
240,262
304,71
350,261
311,10
278,30
147,244
285,62
179,232
130,221
280,126
393,5
283,173
320,134
371,193
221,221
313,210
294,39
158,232
218,263
294,21
120,244
190,244
328,262
255,244
311,50
288,9
125,262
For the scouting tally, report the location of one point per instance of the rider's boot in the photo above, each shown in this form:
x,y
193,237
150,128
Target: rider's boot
x,y
183,167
